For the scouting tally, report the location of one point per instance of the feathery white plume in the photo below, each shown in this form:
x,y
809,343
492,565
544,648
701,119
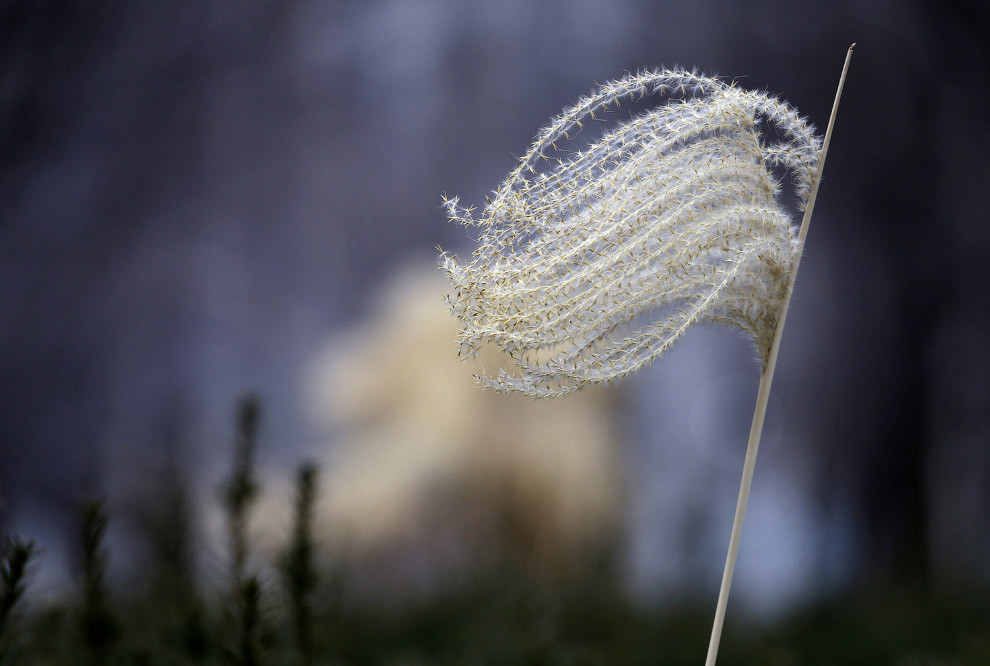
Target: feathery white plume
x,y
592,262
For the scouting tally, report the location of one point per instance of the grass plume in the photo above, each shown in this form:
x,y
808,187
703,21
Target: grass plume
x,y
592,262
592,268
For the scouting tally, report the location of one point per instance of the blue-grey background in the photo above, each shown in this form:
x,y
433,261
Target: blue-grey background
x,y
196,195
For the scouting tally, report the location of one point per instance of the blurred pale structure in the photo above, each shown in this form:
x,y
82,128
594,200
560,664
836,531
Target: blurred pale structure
x,y
424,466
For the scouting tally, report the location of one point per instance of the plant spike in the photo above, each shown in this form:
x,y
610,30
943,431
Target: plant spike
x,y
297,564
763,395
588,270
15,558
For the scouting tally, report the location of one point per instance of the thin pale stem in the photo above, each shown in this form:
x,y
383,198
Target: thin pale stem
x,y
763,395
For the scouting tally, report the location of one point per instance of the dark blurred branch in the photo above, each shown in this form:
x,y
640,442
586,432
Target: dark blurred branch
x,y
241,489
297,565
250,626
15,556
96,622
239,493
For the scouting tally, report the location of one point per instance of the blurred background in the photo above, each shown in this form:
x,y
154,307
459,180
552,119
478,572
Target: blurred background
x,y
199,199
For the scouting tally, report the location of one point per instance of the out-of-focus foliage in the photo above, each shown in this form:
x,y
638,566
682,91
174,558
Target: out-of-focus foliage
x,y
424,475
502,614
196,194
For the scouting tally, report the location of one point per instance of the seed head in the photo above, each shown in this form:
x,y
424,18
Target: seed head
x,y
592,261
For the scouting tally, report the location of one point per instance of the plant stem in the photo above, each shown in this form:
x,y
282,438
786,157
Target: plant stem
x,y
15,556
763,395
298,567
241,489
